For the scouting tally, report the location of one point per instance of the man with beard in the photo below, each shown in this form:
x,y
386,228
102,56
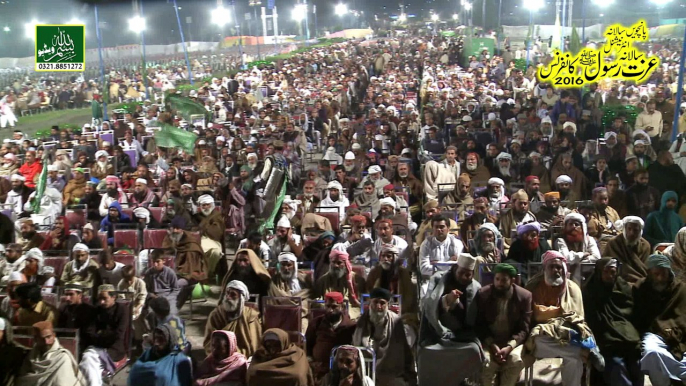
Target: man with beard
x,y
54,179
349,368
290,282
191,263
502,325
232,315
492,151
533,190
552,213
388,211
81,269
74,312
495,193
32,307
575,244
19,195
447,327
113,193
601,224
486,247
504,169
666,175
101,168
555,296
528,246
389,274
440,247
308,200
367,199
630,249
249,270
476,172
660,299
114,216
334,328
406,179
254,242
384,332
211,226
351,167
341,278
563,184
374,175
335,201
640,152
75,189
106,336
608,305
284,240
519,213
461,198
29,237
642,199
59,237
143,196
10,262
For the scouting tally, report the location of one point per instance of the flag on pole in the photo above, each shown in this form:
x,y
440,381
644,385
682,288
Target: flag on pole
x,y
170,136
269,222
556,34
40,185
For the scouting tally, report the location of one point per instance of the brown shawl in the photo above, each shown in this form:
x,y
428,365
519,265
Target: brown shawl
x,y
633,261
287,368
247,327
190,258
211,226
256,265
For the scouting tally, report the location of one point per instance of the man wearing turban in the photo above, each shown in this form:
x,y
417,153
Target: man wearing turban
x,y
211,225
81,269
575,244
502,325
528,246
341,278
630,249
519,213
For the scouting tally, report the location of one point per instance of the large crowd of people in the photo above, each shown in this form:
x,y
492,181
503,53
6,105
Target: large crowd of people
x,y
431,217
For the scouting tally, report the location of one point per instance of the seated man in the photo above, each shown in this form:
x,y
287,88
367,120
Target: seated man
x,y
74,312
551,214
528,247
460,199
30,238
502,325
10,304
608,305
82,269
441,247
142,195
519,213
555,296
662,225
486,247
161,314
161,281
191,263
211,226
384,235
48,363
114,216
32,307
290,281
575,244
285,240
279,362
248,269
388,210
630,249
449,314
90,238
11,261
390,275
254,241
233,315
335,200
327,331
659,301
341,278
109,271
425,229
601,225
106,337
162,364
348,368
383,331
224,364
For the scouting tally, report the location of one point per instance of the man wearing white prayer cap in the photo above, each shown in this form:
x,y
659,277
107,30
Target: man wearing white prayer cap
x,y
212,226
630,248
232,315
142,195
563,184
285,240
289,281
11,281
374,175
335,200
445,314
19,195
81,268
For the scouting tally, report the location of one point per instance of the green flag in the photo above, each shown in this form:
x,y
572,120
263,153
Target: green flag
x,y
269,222
40,186
185,107
170,136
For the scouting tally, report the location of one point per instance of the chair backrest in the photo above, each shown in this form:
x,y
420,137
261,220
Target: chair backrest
x,y
76,217
282,312
128,212
51,299
298,338
103,238
68,337
333,216
153,238
126,238
360,270
253,302
56,262
157,213
126,259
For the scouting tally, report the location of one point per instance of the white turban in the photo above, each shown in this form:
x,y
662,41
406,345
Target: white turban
x,y
374,169
80,247
17,177
142,181
52,168
350,155
335,185
16,276
292,203
284,222
633,219
205,199
238,285
504,155
466,261
546,120
287,256
387,201
142,213
251,155
563,178
609,134
100,153
496,181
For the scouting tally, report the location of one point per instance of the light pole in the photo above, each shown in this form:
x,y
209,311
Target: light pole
x,y
299,14
341,10
137,25
102,65
532,6
600,4
255,4
183,42
434,19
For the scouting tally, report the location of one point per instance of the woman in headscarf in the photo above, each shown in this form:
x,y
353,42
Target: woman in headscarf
x,y
279,363
677,254
608,304
224,365
662,225
11,354
162,364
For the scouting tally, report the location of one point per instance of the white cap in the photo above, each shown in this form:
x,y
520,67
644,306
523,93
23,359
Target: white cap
x,y
52,168
466,261
563,178
374,169
141,181
350,155
387,201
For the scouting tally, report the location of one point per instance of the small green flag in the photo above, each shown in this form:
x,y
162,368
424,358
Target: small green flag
x,y
40,186
269,222
170,136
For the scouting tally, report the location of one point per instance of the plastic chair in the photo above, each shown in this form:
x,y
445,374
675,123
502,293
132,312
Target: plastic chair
x,y
126,238
282,312
157,213
333,214
297,338
360,270
56,262
153,238
103,238
76,217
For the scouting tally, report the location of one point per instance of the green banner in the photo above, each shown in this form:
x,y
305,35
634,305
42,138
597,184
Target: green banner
x,y
269,222
170,136
40,186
